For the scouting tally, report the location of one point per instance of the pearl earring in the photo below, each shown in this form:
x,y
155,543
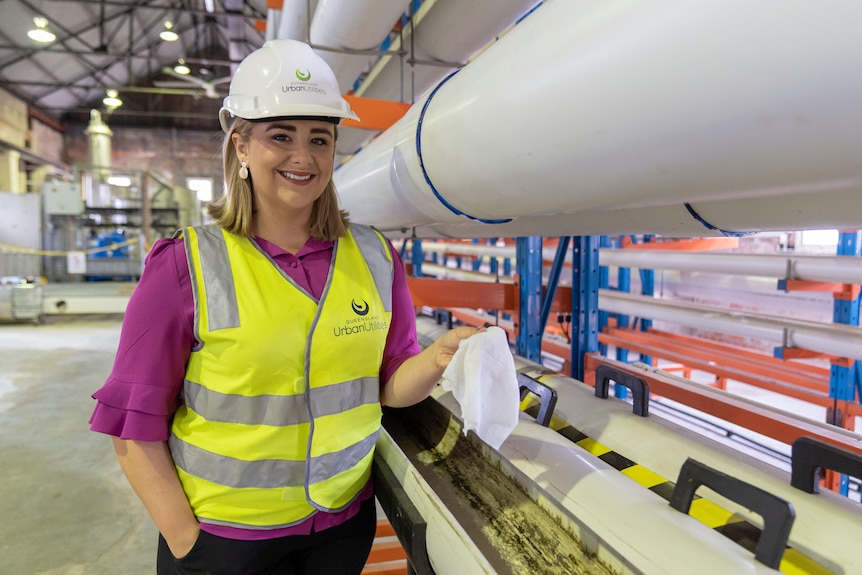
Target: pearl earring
x,y
243,170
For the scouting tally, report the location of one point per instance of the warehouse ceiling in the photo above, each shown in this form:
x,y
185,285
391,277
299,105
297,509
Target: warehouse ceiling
x,y
379,49
102,45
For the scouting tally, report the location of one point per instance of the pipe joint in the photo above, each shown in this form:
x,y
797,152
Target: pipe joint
x,y
425,175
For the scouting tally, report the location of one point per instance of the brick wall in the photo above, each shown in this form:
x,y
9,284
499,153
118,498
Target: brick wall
x,y
174,154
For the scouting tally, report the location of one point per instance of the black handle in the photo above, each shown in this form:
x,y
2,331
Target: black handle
x,y
406,520
443,315
547,397
638,385
807,455
778,514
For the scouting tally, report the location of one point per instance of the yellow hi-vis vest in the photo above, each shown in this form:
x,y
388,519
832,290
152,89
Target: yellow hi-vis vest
x,y
281,401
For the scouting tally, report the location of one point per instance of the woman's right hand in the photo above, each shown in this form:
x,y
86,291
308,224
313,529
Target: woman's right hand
x,y
182,543
152,474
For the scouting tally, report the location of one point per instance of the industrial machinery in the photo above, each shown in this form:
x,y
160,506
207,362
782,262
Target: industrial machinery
x,y
100,222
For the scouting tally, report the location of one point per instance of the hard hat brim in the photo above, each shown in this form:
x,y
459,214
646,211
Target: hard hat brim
x,y
225,117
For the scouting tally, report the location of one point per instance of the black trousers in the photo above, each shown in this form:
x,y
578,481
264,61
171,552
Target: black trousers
x,y
339,550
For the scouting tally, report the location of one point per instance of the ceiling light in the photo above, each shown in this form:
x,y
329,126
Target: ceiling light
x,y
209,5
168,35
39,33
112,100
181,68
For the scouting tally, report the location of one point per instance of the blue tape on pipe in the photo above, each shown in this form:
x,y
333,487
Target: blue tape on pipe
x,y
443,201
709,226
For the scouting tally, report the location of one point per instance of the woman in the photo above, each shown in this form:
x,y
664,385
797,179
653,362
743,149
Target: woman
x,y
244,402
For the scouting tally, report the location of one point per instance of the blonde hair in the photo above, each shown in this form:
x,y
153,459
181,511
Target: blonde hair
x,y
234,210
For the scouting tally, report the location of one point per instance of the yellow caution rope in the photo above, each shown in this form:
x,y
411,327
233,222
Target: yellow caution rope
x,y
19,250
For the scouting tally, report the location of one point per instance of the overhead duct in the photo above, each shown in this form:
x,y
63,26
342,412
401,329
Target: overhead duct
x,y
619,118
352,25
449,33
294,20
343,25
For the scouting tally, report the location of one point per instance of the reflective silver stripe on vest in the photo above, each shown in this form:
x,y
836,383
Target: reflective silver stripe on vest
x,y
222,307
265,474
195,293
280,410
373,251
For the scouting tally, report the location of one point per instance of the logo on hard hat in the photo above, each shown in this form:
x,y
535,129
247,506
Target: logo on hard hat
x,y
305,77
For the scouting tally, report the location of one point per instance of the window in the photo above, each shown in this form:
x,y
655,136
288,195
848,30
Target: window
x,y
820,238
203,187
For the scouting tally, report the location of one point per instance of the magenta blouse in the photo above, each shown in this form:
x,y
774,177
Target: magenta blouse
x,y
139,398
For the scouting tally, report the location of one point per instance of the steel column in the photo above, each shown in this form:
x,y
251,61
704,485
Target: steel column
x,y
528,341
416,257
585,301
647,288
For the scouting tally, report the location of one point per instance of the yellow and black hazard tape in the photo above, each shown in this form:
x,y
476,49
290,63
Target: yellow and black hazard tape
x,y
732,526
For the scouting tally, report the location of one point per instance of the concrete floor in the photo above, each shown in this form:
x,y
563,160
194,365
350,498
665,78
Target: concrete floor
x,y
66,507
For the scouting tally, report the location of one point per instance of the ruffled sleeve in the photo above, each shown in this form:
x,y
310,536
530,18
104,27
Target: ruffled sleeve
x,y
141,394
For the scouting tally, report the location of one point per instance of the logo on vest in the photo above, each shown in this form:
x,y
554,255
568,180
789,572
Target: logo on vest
x,y
365,323
359,309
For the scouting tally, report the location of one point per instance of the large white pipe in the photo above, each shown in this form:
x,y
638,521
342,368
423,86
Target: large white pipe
x,y
293,22
815,210
353,25
839,269
833,339
587,109
273,17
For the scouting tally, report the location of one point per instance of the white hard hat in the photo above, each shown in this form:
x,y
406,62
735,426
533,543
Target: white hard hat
x,y
284,78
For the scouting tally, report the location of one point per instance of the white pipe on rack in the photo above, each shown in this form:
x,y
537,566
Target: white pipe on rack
x,y
272,18
294,20
839,269
833,339
353,25
444,272
470,249
609,117
449,31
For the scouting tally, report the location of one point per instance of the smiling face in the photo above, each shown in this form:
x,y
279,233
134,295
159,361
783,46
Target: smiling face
x,y
290,163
